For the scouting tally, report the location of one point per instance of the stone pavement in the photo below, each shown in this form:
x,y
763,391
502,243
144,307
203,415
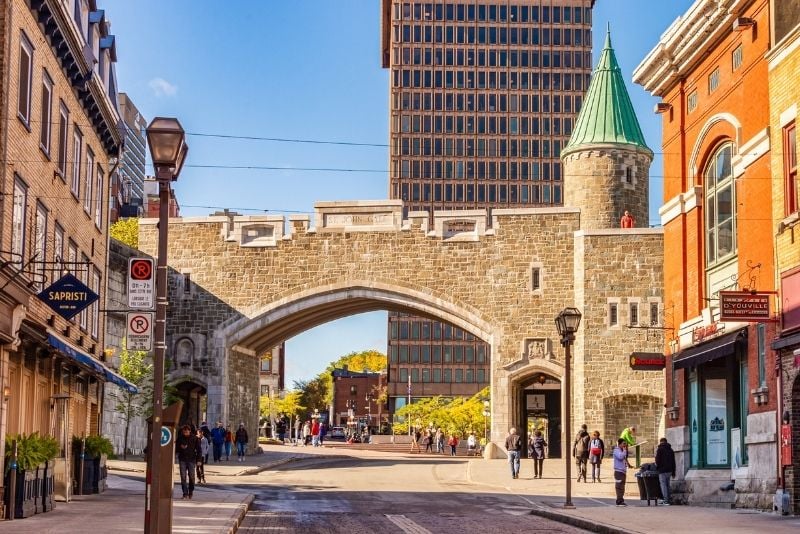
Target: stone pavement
x,y
595,503
120,509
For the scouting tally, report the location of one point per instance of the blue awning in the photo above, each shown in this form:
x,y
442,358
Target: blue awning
x,y
91,363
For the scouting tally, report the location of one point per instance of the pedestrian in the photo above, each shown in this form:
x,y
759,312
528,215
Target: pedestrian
x,y
597,451
306,433
280,427
514,448
323,430
228,442
620,454
187,450
665,465
537,447
217,441
440,441
629,435
241,442
580,450
472,444
206,432
427,440
415,437
453,442
201,469
315,432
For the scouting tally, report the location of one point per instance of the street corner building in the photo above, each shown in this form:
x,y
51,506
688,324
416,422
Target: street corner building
x,y
726,75
501,277
59,140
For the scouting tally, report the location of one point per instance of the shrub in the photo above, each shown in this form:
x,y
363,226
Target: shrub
x,y
32,450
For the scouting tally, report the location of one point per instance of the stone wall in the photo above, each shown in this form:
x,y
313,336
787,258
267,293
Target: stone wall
x,y
252,287
117,299
604,181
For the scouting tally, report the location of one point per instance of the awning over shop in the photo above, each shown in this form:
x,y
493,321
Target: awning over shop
x,y
87,361
706,352
788,341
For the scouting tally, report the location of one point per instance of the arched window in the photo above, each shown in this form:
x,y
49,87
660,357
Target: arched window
x,y
720,206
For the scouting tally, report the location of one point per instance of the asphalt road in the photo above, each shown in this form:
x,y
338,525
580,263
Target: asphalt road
x,y
384,495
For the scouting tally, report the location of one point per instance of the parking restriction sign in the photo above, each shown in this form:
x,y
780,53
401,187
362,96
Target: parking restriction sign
x,y
141,283
140,331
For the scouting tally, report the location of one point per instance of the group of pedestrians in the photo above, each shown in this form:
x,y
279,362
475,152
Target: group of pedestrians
x,y
222,440
430,439
314,432
590,449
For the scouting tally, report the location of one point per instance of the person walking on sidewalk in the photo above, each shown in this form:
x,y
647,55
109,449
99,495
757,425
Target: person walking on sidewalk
x,y
415,437
665,465
620,454
597,451
187,449
453,442
537,448
201,470
440,441
629,435
514,448
427,440
217,441
580,450
229,439
241,442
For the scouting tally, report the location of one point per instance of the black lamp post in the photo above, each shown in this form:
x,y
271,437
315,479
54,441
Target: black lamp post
x,y
567,323
168,149
486,413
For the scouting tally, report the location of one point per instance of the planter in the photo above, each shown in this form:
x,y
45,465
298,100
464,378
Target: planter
x,y
38,490
48,486
24,503
84,476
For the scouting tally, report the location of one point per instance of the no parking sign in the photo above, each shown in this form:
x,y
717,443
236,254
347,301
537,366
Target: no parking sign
x,y
140,331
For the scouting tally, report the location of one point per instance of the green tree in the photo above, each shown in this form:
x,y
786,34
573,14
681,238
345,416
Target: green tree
x,y
126,231
455,416
135,368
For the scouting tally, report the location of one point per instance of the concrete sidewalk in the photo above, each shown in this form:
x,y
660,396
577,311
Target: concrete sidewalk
x,y
120,509
595,507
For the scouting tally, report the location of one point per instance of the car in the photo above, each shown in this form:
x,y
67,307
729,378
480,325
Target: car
x,y
336,432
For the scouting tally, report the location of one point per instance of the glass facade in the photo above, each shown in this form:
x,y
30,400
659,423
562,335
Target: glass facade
x,y
483,97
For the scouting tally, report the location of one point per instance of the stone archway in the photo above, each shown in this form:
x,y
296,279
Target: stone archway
x,y
537,403
641,410
191,388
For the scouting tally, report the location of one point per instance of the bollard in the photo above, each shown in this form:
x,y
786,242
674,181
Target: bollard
x,y
638,456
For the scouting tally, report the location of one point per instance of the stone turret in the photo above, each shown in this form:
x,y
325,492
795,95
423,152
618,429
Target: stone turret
x,y
606,162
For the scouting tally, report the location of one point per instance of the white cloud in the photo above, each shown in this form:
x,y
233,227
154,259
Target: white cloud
x,y
162,87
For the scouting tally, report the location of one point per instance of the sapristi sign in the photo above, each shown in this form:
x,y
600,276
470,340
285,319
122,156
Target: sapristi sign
x,y
744,306
68,296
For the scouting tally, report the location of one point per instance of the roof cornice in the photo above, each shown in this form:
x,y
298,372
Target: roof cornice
x,y
686,42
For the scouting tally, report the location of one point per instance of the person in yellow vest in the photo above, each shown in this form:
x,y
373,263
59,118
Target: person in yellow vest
x,y
629,436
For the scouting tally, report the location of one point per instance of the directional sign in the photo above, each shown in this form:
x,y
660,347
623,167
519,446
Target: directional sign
x,y
140,331
166,436
68,296
141,283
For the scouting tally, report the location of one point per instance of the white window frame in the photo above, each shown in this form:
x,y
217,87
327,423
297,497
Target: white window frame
x,y
99,194
634,308
655,303
77,150
58,251
95,310
40,244
737,57
612,312
25,84
536,271
711,195
19,218
691,101
713,80
88,181
46,113
63,140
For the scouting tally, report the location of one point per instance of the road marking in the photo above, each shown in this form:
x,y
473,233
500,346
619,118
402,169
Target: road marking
x,y
407,525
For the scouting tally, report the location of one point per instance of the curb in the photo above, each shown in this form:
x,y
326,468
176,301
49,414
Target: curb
x,y
580,522
243,509
264,467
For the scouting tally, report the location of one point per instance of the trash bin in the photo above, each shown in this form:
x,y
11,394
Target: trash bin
x,y
649,487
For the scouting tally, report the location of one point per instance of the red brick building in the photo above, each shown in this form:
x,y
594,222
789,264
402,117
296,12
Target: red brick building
x,y
710,71
355,399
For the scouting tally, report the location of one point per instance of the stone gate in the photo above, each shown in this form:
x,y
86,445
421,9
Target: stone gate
x,y
240,285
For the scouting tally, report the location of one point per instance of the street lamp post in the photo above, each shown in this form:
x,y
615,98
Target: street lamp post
x,y
567,323
168,149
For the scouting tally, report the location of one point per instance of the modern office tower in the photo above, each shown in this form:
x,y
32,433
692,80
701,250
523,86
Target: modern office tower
x,y
132,164
483,96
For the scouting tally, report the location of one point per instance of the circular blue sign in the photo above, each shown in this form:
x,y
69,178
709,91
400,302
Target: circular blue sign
x,y
166,435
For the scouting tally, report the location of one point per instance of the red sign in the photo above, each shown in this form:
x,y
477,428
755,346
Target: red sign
x,y
744,306
786,444
704,332
647,361
141,269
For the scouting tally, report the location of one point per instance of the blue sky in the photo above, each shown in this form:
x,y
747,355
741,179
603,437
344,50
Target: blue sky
x,y
308,70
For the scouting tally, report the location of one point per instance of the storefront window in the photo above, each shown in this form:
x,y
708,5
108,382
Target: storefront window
x,y
716,422
694,424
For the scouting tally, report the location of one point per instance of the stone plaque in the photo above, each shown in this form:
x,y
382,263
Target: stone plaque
x,y
456,227
341,220
537,347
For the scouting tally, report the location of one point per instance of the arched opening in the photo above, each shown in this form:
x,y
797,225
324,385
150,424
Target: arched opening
x,y
193,396
538,407
642,411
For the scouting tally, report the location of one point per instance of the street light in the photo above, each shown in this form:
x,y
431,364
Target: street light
x,y
168,148
567,324
368,399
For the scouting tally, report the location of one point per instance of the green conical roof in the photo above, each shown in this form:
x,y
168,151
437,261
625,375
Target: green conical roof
x,y
607,115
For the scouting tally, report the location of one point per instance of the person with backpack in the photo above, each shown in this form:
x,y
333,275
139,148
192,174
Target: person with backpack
x,y
665,465
597,450
580,450
514,448
536,447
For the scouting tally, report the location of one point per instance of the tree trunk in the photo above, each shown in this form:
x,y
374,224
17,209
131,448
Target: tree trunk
x,y
127,427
